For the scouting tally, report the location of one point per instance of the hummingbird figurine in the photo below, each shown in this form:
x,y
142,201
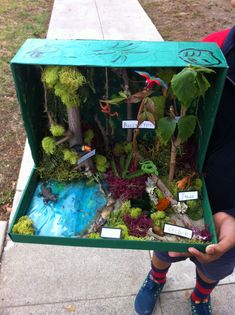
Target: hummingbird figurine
x,y
151,81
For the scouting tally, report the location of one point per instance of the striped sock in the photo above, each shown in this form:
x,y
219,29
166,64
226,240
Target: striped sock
x,y
202,289
159,275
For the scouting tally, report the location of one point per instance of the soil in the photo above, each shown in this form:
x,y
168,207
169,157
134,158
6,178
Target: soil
x,y
177,20
190,20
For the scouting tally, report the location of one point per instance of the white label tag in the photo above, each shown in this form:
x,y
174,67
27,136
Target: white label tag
x,y
132,124
187,195
86,157
178,230
110,233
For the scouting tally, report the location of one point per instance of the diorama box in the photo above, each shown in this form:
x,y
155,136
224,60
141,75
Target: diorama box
x,y
119,132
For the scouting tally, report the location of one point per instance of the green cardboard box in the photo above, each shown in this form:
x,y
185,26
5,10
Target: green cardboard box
x,y
35,54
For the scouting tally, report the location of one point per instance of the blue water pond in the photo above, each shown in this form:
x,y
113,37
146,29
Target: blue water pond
x,y
73,212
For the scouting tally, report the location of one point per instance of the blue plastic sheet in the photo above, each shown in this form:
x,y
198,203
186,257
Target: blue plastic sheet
x,y
73,212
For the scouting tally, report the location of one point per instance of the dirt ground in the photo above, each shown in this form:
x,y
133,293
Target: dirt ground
x,y
177,20
189,20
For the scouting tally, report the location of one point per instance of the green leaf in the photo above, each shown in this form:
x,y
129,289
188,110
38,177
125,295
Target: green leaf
x,y
159,102
186,127
150,117
184,86
115,100
202,84
166,128
202,69
122,94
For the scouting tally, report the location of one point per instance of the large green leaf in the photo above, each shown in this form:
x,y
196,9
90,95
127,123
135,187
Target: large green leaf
x,y
166,128
202,83
184,86
202,69
186,127
159,102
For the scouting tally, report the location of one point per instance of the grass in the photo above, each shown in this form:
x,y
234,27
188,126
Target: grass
x,y
19,20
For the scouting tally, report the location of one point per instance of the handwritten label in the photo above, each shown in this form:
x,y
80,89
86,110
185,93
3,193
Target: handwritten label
x,y
86,157
132,124
178,230
187,195
110,233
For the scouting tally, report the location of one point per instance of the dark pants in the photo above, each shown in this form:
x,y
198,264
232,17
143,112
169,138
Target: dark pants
x,y
215,271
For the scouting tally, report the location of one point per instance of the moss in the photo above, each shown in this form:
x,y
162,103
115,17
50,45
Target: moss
x,y
101,163
24,226
50,76
70,156
94,235
71,78
135,212
57,130
54,167
49,145
88,136
124,228
125,207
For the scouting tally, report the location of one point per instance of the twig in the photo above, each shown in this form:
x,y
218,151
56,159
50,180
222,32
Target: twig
x,y
106,141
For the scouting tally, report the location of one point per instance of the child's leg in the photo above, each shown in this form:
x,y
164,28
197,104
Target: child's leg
x,y
149,292
203,288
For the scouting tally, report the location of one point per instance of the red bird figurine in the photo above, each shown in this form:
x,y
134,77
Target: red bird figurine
x,y
151,81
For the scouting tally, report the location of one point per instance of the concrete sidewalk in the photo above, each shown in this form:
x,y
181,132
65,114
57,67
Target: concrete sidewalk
x,y
53,280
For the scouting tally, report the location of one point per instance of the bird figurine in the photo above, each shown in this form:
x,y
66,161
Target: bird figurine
x,y
151,81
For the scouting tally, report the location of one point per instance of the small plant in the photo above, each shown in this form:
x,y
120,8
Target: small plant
x,y
188,86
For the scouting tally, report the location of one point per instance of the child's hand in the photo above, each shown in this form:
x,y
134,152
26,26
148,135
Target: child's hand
x,y
225,227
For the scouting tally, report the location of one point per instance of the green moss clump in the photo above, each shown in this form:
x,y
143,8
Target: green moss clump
x,y
94,235
88,136
135,212
194,211
70,156
70,100
50,76
197,184
125,207
101,163
24,226
159,218
118,149
57,130
125,233
49,145
65,81
71,78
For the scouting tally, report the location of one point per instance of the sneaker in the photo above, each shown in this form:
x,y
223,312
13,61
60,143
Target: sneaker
x,y
201,308
146,298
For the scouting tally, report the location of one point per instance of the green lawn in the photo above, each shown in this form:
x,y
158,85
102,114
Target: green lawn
x,y
19,20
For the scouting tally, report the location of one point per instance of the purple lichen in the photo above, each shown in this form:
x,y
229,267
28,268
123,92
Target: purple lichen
x,y
126,188
201,234
137,226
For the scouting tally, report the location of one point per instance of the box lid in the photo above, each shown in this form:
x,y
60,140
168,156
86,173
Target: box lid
x,y
111,53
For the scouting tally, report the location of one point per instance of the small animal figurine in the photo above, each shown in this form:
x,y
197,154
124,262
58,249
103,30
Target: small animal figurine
x,y
151,81
47,194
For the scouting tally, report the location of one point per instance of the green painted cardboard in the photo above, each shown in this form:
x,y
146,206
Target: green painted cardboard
x,y
36,53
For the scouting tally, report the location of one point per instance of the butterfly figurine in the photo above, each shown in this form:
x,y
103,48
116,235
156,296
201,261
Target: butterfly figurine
x,y
151,81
